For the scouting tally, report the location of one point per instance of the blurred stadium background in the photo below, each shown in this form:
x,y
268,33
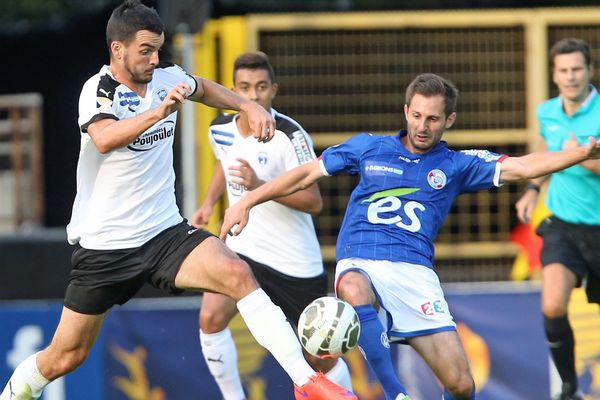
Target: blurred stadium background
x,y
342,66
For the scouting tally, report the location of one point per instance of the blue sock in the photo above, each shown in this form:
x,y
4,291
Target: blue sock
x,y
378,356
448,396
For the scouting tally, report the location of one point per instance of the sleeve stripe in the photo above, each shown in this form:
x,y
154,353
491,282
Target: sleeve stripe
x,y
95,118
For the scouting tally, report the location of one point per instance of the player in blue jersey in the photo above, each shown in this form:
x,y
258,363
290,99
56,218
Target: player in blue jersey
x,y
570,253
408,182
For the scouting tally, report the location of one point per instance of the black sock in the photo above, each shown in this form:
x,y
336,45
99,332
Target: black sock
x,y
562,346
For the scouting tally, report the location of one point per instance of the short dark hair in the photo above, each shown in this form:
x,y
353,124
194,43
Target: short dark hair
x,y
571,45
253,60
429,85
129,18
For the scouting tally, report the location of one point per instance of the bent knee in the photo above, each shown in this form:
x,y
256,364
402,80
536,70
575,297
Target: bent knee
x,y
212,321
462,386
356,289
240,280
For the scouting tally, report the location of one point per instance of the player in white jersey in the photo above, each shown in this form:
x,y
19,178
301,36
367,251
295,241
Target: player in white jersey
x,y
407,185
289,269
126,226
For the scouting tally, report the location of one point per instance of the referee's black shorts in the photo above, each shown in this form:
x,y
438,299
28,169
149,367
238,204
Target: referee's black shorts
x,y
100,279
291,294
577,247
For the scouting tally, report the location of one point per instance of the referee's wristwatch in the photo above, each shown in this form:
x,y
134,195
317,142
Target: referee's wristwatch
x,y
532,186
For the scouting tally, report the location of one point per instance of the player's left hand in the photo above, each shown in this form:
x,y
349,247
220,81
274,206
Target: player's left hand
x,y
262,124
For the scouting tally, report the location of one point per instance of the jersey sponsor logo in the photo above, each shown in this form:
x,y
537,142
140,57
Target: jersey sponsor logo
x,y
387,202
151,139
162,94
433,307
485,155
236,189
436,179
301,147
129,99
552,128
223,138
262,158
375,169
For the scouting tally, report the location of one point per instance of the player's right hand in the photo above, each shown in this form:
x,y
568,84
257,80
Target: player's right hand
x,y
174,99
234,220
202,216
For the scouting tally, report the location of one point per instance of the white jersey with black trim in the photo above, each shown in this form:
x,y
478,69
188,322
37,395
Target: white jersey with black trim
x,y
127,196
276,235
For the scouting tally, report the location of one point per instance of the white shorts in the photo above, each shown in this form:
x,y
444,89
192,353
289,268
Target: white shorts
x,y
411,297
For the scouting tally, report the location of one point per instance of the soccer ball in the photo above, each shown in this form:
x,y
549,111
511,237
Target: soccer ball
x,y
328,327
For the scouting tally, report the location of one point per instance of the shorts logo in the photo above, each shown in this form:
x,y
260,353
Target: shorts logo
x,y
433,307
385,341
262,158
436,179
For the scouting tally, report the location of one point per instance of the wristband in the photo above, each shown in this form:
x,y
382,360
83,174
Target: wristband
x,y
532,186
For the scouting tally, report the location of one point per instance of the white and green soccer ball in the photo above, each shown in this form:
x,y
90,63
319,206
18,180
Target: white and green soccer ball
x,y
328,327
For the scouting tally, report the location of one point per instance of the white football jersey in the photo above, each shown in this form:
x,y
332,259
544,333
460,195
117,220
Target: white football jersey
x,y
276,235
127,196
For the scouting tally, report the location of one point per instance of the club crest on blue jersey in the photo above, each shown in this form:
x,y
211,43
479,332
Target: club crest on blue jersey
x,y
262,158
128,99
436,179
162,93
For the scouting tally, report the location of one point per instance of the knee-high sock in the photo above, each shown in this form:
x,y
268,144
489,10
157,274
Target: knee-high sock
x,y
340,374
26,381
373,342
270,328
220,355
562,347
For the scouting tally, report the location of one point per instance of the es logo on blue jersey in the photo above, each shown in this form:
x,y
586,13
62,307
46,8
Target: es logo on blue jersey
x,y
387,201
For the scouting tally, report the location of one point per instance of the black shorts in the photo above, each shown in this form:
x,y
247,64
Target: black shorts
x,y
291,294
577,247
100,279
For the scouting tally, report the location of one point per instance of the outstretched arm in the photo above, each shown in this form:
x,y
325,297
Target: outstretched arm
x,y
307,200
538,164
262,124
292,181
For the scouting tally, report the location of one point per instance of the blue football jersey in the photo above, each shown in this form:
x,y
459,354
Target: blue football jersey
x,y
402,199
